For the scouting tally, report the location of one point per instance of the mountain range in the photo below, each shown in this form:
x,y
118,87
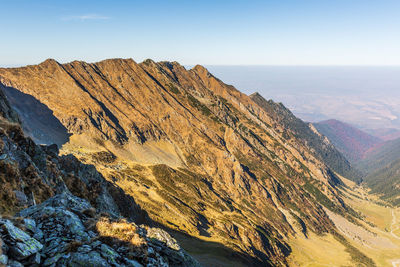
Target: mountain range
x,y
236,179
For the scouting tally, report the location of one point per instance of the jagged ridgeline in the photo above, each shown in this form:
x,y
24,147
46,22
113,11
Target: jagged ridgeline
x,y
232,177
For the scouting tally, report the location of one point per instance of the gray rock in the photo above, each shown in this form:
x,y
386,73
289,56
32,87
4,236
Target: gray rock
x,y
164,237
109,254
150,251
92,259
132,263
53,260
3,246
55,247
25,245
75,226
13,263
36,259
65,200
92,234
95,244
21,197
38,235
3,259
30,225
70,223
84,249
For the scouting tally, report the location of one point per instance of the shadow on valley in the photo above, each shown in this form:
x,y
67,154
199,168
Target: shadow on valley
x,y
210,253
93,186
37,119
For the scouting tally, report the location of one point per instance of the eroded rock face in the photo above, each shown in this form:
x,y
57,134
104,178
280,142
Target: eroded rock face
x,y
54,227
55,235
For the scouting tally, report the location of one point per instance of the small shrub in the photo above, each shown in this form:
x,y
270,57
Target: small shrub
x,y
121,230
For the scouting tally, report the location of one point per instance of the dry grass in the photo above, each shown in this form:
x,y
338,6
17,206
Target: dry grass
x,y
8,126
13,178
121,230
9,174
318,250
73,246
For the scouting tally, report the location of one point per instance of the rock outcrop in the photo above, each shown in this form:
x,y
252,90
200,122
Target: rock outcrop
x,y
60,232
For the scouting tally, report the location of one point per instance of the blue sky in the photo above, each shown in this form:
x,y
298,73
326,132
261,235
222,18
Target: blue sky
x,y
209,32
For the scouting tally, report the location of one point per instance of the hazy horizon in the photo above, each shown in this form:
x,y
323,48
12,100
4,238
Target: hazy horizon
x,y
366,96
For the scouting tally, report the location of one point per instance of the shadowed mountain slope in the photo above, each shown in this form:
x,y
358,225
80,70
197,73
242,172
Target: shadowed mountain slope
x,y
352,142
385,182
382,167
380,156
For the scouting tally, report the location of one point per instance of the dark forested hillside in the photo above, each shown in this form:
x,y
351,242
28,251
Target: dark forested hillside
x,y
380,156
385,182
352,142
382,168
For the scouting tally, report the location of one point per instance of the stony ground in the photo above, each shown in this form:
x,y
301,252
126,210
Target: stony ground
x,y
57,233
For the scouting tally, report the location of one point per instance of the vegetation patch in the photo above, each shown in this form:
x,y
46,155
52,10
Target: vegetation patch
x,y
174,89
198,105
356,255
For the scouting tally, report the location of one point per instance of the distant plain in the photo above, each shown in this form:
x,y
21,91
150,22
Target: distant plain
x,y
365,96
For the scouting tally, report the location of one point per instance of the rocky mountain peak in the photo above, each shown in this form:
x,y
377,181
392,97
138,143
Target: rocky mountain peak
x,y
197,155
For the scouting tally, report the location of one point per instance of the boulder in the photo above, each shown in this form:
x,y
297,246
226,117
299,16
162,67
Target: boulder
x,y
109,254
91,259
3,259
164,237
23,245
64,200
13,263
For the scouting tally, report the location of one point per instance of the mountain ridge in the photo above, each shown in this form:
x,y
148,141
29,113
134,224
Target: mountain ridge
x,y
199,156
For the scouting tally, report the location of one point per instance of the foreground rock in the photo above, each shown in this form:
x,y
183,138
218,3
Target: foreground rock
x,y
66,231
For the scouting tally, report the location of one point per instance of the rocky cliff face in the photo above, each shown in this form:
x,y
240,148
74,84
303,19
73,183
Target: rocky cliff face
x,y
53,227
196,154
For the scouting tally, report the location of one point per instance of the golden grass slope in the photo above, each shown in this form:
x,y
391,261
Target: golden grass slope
x,y
373,236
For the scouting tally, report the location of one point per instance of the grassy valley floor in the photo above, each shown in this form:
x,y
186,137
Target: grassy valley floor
x,y
377,235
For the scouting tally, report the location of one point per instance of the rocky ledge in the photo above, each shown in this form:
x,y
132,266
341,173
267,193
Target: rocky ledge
x,y
66,231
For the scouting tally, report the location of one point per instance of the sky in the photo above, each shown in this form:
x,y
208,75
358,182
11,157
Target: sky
x,y
208,32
